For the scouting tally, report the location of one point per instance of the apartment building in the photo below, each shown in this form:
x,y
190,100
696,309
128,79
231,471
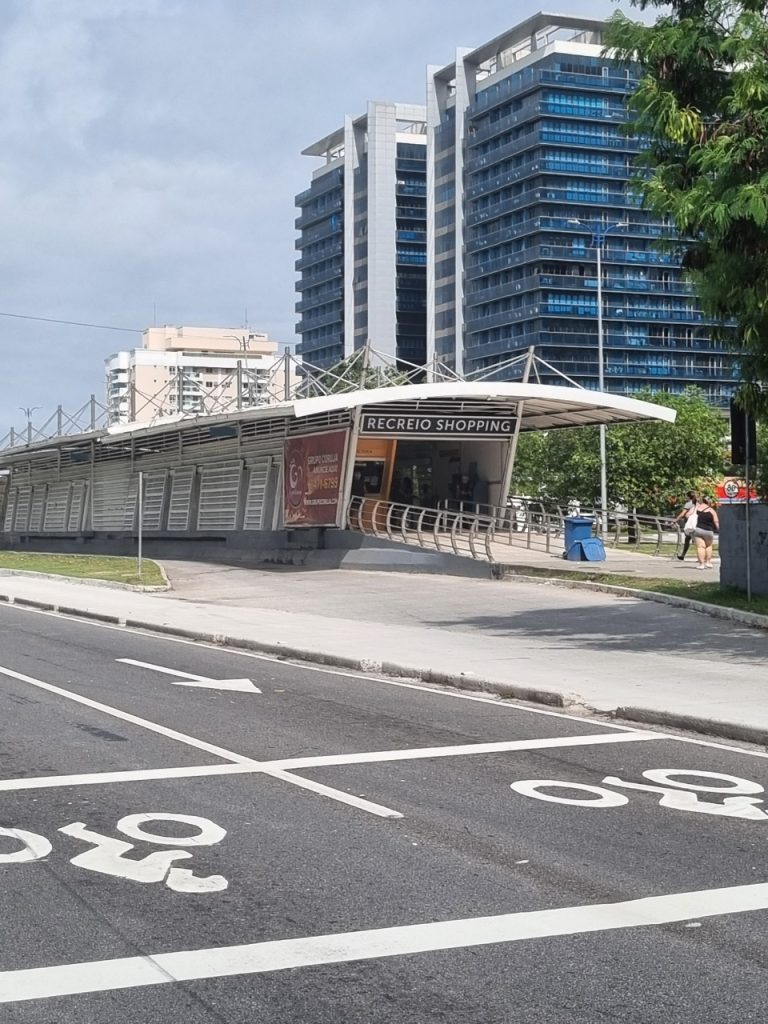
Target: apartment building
x,y
363,237
195,370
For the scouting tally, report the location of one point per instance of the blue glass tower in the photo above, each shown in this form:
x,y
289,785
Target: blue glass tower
x,y
529,158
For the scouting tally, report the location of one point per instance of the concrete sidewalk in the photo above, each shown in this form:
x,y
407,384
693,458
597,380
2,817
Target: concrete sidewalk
x,y
534,641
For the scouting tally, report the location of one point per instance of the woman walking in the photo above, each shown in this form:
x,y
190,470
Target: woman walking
x,y
707,524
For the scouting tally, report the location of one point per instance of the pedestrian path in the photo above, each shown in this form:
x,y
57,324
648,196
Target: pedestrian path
x,y
531,640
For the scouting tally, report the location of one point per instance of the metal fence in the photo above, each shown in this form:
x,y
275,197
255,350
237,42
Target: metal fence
x,y
483,531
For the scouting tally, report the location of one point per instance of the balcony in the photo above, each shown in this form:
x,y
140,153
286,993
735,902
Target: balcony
x,y
313,280
529,79
313,216
606,199
334,226
550,136
327,253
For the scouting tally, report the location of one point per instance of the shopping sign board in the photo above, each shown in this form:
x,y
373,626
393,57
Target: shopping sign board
x,y
475,426
312,472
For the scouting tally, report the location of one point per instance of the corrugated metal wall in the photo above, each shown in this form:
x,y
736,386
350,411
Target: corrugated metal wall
x,y
202,478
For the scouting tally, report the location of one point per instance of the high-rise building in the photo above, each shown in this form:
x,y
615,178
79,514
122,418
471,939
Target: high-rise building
x,y
363,239
528,171
195,370
495,227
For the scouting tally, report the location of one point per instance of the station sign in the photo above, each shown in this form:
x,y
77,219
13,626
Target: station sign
x,y
470,426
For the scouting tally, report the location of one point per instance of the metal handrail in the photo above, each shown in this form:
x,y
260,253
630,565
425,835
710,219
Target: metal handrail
x,y
527,520
374,517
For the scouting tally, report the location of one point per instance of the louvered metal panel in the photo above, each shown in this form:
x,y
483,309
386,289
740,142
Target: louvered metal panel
x,y
10,511
76,507
331,420
56,508
37,509
21,517
181,496
219,497
115,496
154,499
258,479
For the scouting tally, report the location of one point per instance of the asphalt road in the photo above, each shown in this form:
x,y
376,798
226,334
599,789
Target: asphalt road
x,y
337,848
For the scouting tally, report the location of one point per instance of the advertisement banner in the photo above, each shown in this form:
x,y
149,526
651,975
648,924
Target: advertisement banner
x,y
312,473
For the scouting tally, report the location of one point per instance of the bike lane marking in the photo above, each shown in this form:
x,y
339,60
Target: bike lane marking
x,y
285,954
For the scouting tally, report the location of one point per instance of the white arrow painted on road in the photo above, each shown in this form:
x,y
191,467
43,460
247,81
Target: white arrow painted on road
x,y
187,679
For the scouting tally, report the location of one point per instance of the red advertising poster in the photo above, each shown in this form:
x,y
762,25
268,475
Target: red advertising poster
x,y
312,473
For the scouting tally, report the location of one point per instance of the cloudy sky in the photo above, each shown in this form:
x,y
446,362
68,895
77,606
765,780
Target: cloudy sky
x,y
151,152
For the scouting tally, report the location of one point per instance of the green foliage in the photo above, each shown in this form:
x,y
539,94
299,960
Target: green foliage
x,y
352,373
702,106
650,465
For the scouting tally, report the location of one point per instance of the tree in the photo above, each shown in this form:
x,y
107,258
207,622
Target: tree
x,y
354,373
702,107
650,465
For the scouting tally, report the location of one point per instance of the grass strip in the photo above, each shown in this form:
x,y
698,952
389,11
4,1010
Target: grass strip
x,y
85,567
695,590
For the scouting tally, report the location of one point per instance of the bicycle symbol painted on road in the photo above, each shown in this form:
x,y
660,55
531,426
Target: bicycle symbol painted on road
x,y
107,856
739,798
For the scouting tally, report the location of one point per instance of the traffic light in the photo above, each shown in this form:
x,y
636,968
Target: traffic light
x,y
743,437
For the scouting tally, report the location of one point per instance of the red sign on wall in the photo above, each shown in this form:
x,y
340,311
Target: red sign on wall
x,y
312,473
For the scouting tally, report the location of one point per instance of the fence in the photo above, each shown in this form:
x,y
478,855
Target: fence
x,y
481,531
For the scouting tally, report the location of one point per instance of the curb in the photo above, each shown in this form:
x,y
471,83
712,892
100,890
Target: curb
x,y
464,681
137,588
692,723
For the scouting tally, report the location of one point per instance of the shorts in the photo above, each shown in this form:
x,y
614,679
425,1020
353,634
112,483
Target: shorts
x,y
706,535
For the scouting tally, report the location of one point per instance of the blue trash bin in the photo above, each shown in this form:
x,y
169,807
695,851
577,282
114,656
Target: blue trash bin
x,y
577,530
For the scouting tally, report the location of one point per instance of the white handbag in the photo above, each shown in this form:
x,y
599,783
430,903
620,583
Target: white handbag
x,y
691,522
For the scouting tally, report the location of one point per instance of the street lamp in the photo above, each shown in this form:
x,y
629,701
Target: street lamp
x,y
599,233
28,410
244,343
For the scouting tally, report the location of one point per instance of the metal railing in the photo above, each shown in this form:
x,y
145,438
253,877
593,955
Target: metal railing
x,y
535,523
481,531
458,533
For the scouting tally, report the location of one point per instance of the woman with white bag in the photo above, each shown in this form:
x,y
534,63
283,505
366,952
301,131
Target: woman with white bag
x,y
688,513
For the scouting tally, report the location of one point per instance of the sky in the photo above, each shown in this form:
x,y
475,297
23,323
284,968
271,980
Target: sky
x,y
150,152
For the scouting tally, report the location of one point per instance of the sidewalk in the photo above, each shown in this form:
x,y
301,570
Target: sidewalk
x,y
623,559
534,641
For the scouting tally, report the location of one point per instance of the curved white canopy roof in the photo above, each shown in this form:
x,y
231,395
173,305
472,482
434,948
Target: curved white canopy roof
x,y
544,406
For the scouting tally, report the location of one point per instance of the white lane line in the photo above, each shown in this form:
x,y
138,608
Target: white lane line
x,y
277,769
374,944
132,775
228,755
414,754
125,716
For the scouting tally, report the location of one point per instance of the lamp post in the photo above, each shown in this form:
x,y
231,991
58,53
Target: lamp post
x,y
599,233
244,343
28,410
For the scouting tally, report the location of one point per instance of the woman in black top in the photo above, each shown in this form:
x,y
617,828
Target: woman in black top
x,y
707,524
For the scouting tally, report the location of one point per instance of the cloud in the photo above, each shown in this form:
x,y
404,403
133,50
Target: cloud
x,y
150,154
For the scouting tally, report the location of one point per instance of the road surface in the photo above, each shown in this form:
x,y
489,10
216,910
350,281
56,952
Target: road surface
x,y
191,835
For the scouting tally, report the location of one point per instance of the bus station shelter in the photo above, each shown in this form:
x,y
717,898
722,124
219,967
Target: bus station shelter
x,y
259,478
